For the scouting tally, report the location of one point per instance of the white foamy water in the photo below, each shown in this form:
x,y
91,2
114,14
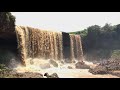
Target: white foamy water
x,y
62,70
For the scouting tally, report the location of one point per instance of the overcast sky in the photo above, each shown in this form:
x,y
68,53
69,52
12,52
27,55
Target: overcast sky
x,y
65,21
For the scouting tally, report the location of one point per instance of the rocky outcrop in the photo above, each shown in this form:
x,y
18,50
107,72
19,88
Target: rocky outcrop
x,y
29,75
99,70
113,64
54,75
69,67
54,63
106,67
81,65
6,72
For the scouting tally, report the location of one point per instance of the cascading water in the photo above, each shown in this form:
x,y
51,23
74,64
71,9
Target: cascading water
x,y
76,48
72,38
34,43
79,51
43,44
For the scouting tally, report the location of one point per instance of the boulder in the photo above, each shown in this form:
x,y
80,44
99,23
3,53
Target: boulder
x,y
68,61
111,64
69,67
115,73
74,61
55,64
81,65
54,75
62,62
99,70
26,75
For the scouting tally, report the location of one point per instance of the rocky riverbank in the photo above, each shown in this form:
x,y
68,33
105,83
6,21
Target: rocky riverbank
x,y
111,66
10,73
64,71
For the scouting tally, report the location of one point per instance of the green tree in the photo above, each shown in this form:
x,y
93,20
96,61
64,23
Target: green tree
x,y
7,22
93,35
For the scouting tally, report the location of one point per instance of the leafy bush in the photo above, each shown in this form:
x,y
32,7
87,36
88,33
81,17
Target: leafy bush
x,y
102,40
7,22
115,54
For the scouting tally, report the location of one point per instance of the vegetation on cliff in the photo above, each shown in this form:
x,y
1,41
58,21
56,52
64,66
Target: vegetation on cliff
x,y
7,22
8,44
100,42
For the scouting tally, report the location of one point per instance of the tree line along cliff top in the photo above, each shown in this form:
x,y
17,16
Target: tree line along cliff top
x,y
7,22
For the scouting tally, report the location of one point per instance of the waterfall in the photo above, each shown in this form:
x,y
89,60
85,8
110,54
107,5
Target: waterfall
x,y
36,43
72,39
76,47
79,51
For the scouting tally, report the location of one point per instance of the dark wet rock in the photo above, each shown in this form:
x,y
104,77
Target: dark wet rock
x,y
81,65
74,61
68,61
54,63
69,67
14,74
99,70
62,61
6,72
111,64
105,67
45,65
28,75
54,75
115,73
31,75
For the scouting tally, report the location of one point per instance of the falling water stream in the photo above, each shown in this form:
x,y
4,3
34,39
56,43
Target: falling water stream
x,y
37,47
35,43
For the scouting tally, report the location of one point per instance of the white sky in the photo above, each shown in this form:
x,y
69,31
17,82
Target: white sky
x,y
65,21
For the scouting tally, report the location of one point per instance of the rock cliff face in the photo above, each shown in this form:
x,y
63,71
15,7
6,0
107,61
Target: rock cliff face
x,y
8,41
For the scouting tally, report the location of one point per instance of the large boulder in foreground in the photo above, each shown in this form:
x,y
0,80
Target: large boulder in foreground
x,y
106,67
25,75
99,70
31,75
6,72
54,75
112,65
81,65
